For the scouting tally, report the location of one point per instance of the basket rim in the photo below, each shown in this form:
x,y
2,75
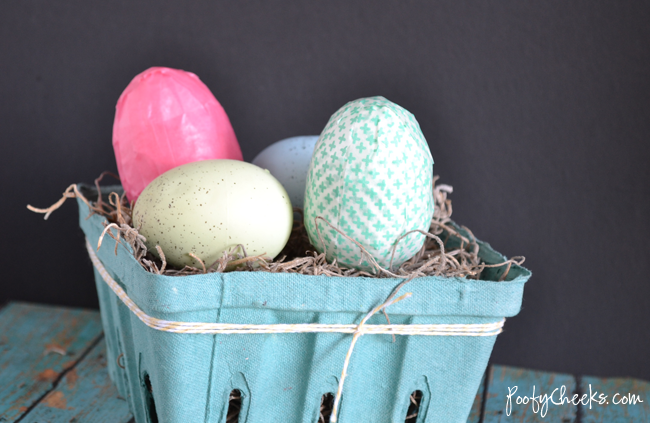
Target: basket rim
x,y
432,295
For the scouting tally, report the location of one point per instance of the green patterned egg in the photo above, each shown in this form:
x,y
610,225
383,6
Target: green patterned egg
x,y
371,177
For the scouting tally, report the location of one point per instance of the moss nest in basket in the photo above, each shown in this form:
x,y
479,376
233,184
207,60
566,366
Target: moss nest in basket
x,y
449,250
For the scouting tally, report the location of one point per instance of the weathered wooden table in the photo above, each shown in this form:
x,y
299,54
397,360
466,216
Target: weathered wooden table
x,y
53,369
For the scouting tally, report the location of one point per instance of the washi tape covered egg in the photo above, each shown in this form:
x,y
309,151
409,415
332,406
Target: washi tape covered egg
x,y
166,118
371,177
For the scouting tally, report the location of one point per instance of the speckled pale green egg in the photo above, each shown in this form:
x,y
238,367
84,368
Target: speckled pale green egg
x,y
209,206
371,177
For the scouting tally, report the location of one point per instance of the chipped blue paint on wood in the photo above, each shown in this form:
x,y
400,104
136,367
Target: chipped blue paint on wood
x,y
502,381
37,344
32,336
625,410
475,412
85,394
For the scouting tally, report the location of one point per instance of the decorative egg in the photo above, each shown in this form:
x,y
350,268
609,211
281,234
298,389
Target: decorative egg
x,y
207,207
288,160
163,119
371,177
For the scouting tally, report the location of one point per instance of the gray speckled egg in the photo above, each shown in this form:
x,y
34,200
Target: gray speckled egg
x,y
209,206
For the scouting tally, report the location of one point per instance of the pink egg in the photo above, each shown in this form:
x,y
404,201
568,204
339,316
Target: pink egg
x,y
166,118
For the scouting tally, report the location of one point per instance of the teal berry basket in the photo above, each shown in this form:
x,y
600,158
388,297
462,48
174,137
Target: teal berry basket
x,y
282,377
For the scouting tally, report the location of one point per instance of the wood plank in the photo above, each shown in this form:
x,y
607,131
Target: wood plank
x,y
475,413
37,345
85,394
623,410
502,381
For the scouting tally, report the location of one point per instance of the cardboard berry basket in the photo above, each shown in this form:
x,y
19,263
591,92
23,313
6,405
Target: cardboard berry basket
x,y
180,377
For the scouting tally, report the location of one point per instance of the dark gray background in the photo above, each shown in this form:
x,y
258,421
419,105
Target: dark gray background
x,y
537,114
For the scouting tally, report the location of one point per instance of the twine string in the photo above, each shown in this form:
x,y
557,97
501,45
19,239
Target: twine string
x,y
477,329
357,334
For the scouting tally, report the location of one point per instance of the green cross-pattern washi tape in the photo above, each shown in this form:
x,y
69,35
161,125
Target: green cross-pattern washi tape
x,y
370,176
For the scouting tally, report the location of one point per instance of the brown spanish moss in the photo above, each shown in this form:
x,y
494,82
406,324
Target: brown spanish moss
x,y
439,256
